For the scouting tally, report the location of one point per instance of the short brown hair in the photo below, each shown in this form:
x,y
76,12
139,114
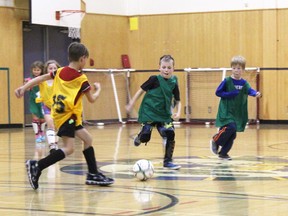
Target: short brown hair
x,y
76,51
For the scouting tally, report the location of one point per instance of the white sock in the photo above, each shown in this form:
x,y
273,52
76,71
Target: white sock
x,y
50,133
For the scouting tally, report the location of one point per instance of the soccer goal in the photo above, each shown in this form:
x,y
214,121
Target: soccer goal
x,y
201,102
116,94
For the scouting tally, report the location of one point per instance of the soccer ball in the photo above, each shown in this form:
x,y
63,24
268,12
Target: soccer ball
x,y
143,169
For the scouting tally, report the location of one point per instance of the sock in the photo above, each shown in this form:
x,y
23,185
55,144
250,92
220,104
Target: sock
x,y
50,133
51,159
42,128
170,145
91,160
35,126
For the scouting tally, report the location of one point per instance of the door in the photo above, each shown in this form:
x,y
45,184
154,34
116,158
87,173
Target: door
x,y
42,43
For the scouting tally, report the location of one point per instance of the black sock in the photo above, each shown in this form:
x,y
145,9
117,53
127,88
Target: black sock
x,y
91,160
56,156
170,145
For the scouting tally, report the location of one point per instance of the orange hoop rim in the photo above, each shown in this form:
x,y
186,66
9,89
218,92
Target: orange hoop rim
x,y
72,11
63,13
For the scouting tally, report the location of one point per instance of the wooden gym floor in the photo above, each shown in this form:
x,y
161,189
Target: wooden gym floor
x,y
253,183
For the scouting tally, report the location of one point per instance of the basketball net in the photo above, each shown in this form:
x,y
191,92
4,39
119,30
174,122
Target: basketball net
x,y
72,19
74,33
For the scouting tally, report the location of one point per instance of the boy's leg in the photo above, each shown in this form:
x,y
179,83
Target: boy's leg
x,y
226,148
167,131
225,138
224,134
94,177
51,139
34,168
144,135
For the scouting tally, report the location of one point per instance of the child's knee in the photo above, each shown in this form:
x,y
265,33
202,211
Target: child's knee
x,y
145,137
170,134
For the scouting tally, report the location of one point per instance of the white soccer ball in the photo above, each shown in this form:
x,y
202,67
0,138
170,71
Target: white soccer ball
x,y
143,169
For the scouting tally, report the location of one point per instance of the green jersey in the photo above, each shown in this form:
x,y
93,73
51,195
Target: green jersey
x,y
156,104
234,109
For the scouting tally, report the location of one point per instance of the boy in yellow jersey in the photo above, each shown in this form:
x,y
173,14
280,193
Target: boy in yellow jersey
x,y
68,88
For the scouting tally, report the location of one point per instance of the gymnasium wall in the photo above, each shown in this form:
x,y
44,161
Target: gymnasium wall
x,y
209,40
11,57
195,40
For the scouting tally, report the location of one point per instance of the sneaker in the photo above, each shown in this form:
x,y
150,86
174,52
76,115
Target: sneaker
x,y
172,166
137,141
33,173
38,139
224,157
98,179
214,147
43,138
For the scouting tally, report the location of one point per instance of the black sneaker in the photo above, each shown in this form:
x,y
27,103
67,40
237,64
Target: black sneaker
x,y
137,141
172,166
98,179
214,147
33,173
224,157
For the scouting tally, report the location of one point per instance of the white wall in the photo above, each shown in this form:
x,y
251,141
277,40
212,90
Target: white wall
x,y
149,7
7,3
43,12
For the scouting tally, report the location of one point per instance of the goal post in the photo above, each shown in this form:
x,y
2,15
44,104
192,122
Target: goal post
x,y
115,83
201,104
199,101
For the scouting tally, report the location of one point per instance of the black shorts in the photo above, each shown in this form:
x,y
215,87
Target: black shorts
x,y
68,128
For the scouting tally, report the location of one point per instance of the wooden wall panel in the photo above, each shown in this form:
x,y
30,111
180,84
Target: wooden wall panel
x,y
282,61
269,103
11,56
106,39
198,40
4,97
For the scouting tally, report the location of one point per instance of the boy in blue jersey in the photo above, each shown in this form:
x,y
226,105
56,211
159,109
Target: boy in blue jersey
x,y
232,115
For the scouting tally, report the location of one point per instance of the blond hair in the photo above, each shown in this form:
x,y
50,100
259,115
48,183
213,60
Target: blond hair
x,y
50,62
238,60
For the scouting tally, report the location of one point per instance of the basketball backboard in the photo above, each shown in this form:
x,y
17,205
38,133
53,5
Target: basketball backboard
x,y
44,12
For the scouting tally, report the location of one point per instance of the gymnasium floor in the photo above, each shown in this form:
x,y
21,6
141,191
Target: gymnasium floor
x,y
253,183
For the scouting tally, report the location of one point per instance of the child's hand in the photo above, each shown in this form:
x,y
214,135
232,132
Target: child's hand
x,y
19,92
128,108
258,95
97,85
175,116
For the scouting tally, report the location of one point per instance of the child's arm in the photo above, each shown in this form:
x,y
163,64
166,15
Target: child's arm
x,y
93,97
176,115
221,91
19,92
254,93
131,103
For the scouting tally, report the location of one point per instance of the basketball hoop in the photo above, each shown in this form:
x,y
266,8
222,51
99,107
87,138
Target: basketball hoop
x,y
71,19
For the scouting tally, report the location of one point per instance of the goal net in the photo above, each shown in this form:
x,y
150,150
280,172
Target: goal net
x,y
114,96
202,103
